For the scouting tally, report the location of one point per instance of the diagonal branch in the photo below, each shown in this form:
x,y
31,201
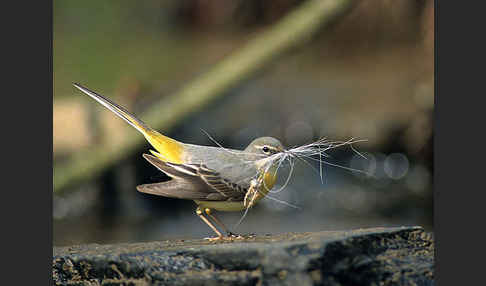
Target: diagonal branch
x,y
293,30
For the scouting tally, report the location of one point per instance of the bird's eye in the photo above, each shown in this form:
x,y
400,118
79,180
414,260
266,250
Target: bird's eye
x,y
265,149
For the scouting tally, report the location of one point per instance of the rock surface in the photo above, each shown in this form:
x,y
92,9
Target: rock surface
x,y
375,256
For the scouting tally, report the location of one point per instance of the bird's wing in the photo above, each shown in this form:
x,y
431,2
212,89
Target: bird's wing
x,y
192,181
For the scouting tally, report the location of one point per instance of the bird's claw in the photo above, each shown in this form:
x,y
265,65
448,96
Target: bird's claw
x,y
230,237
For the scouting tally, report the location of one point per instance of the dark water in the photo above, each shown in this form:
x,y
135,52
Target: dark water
x,y
367,77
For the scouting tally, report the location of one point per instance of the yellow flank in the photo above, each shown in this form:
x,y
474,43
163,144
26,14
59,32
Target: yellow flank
x,y
269,181
222,206
170,150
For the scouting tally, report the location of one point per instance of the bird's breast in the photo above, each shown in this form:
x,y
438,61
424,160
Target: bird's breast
x,y
269,180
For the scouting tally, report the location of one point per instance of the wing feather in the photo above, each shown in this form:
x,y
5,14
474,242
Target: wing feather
x,y
192,181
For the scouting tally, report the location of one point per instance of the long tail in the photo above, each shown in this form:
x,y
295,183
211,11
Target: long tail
x,y
170,150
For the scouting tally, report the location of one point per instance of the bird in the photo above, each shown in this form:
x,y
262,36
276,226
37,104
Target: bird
x,y
215,178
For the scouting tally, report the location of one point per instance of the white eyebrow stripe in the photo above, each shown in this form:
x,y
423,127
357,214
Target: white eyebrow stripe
x,y
268,146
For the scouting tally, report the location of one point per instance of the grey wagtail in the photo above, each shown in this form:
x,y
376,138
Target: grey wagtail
x,y
215,178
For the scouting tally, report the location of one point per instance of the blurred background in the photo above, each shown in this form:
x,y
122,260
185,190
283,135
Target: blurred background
x,y
368,74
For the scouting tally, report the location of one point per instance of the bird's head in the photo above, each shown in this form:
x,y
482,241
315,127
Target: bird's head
x,y
266,146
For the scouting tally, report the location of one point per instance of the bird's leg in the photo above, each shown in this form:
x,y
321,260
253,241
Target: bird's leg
x,y
252,193
217,221
249,193
199,213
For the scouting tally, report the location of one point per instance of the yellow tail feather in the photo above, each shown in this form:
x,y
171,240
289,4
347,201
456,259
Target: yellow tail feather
x,y
170,150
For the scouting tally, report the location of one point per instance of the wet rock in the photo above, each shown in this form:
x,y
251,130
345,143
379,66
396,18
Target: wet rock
x,y
375,256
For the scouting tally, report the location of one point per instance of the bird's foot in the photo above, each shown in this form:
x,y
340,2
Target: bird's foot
x,y
229,237
233,236
215,239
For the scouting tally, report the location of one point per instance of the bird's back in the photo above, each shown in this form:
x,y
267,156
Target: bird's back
x,y
234,165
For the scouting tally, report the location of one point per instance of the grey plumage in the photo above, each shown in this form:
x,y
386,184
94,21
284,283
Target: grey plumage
x,y
192,182
214,174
